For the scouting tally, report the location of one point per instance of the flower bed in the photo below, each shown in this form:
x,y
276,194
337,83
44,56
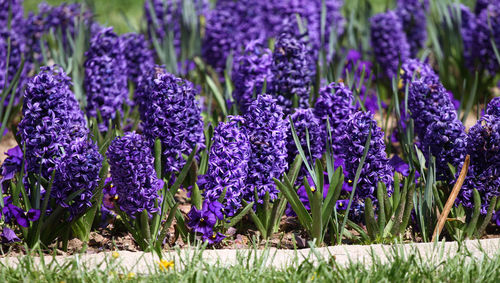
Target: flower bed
x,y
249,123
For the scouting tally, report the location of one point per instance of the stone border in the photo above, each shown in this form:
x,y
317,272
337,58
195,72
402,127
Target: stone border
x,y
140,262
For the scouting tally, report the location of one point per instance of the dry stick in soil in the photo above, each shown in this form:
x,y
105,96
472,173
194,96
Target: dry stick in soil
x,y
451,199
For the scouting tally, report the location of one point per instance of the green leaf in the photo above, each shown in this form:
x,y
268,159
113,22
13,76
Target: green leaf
x,y
371,223
237,218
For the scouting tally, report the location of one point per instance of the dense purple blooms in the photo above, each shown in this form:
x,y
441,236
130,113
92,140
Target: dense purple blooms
x,y
413,17
267,134
429,103
376,167
229,27
487,31
291,73
335,104
77,171
445,140
105,76
15,8
228,165
481,5
138,56
170,112
133,174
389,42
413,70
436,125
483,146
252,68
51,119
493,107
306,125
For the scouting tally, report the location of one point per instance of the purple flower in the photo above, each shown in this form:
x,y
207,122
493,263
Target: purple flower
x,y
170,112
228,27
267,135
304,198
291,73
481,5
445,140
215,238
15,7
429,103
132,170
376,167
356,65
483,146
203,220
22,217
306,125
138,56
12,164
228,165
51,118
413,17
486,32
251,69
413,70
342,204
8,236
105,76
335,104
493,107
389,42
77,170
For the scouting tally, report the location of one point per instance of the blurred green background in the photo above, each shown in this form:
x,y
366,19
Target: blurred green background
x,y
124,15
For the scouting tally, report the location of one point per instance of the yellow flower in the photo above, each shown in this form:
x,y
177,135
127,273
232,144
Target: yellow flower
x,y
165,264
130,275
115,254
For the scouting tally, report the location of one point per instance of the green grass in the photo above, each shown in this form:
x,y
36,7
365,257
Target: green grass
x,y
107,12
400,268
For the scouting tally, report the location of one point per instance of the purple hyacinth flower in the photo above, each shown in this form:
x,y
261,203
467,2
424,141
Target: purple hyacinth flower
x,y
133,174
445,140
51,119
252,67
413,14
170,112
138,56
486,32
105,76
414,70
291,73
8,236
77,170
267,133
389,42
228,165
335,104
376,167
428,103
493,107
483,146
